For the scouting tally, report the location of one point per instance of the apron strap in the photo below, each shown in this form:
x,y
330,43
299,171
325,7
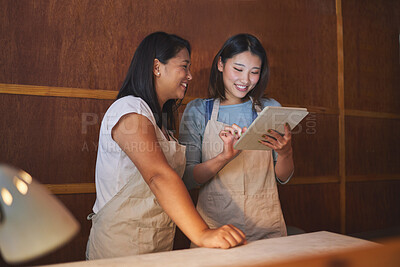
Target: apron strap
x,y
214,114
209,106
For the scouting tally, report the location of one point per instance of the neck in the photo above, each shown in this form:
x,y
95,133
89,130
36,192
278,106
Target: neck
x,y
161,102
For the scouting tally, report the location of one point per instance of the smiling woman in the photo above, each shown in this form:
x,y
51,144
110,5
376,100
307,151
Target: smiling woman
x,y
240,75
172,78
139,192
237,187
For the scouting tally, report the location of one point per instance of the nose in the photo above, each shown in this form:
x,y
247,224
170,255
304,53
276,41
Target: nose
x,y
245,78
189,75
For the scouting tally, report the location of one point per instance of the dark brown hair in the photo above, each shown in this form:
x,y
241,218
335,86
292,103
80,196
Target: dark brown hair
x,y
233,46
139,80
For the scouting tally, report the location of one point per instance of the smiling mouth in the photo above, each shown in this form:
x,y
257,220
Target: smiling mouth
x,y
242,88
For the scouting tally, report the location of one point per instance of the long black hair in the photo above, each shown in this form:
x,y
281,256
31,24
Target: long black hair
x,y
235,45
139,80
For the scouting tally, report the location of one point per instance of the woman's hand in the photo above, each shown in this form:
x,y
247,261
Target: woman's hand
x,y
230,135
227,236
204,171
281,144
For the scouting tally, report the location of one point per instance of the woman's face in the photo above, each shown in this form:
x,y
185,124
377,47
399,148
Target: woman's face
x,y
240,75
172,79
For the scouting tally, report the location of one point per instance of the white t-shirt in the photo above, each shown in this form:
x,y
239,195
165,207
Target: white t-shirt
x,y
113,166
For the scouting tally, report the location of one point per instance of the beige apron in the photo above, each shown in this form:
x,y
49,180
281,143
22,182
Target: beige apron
x,y
133,222
244,192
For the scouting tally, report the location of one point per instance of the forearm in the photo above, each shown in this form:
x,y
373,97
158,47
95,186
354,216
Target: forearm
x,y
173,197
205,171
284,167
166,185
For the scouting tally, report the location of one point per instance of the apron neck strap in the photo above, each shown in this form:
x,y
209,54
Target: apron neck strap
x,y
214,113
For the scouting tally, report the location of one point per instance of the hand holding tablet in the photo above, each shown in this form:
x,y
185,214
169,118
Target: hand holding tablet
x,y
270,118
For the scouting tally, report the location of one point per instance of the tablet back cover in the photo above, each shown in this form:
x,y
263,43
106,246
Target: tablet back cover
x,y
269,118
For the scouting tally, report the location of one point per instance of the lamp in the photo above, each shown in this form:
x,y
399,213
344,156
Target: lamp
x,y
32,221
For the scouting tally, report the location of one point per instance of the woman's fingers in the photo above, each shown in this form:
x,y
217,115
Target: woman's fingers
x,y
226,236
281,143
288,130
235,130
274,141
237,234
267,143
231,236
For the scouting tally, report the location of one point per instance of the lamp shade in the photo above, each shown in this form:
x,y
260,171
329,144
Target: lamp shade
x,y
32,221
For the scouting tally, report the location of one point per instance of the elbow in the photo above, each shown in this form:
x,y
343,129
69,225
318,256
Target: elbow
x,y
155,182
160,180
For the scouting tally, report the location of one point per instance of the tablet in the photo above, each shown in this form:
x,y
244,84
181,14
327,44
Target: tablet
x,y
269,118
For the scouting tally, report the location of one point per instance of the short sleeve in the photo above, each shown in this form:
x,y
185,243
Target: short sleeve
x,y
126,105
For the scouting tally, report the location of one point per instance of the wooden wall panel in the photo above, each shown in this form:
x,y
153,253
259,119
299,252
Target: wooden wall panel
x,y
372,65
372,206
372,78
372,146
313,140
54,139
311,207
302,52
90,44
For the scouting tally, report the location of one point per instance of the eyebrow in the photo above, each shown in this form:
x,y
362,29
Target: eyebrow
x,y
242,65
187,61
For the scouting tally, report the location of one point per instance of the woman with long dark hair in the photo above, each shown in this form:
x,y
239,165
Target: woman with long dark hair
x,y
139,164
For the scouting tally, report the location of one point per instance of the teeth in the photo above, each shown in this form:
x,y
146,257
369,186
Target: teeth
x,y
241,86
184,84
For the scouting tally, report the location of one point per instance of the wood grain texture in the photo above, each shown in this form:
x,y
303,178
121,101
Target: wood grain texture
x,y
53,139
18,89
372,146
311,207
341,104
315,146
371,44
89,45
372,78
372,205
80,188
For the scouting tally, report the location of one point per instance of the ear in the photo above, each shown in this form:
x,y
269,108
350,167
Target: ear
x,y
156,67
220,65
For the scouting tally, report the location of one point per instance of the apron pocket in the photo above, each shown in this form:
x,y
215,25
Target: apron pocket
x,y
155,239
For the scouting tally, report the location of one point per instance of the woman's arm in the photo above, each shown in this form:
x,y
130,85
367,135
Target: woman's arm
x,y
134,132
191,132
